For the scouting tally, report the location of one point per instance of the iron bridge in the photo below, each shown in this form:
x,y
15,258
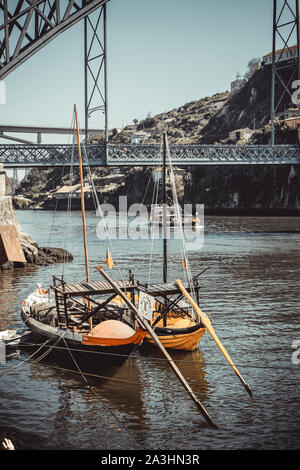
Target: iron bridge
x,y
49,155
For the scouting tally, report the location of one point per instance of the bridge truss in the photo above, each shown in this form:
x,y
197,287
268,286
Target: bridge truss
x,y
29,156
28,25
286,34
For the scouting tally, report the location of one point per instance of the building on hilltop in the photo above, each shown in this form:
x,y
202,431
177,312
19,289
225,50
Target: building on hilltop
x,y
139,137
281,55
237,83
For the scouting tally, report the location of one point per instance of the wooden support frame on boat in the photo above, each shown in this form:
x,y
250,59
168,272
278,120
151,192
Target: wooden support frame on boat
x,y
65,292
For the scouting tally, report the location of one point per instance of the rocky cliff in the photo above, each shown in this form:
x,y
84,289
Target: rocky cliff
x,y
262,189
246,190
239,117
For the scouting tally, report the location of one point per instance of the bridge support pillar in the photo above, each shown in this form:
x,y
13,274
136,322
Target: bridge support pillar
x,y
286,33
95,66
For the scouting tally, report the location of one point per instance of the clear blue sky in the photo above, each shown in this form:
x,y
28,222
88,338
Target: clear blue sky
x,y
161,54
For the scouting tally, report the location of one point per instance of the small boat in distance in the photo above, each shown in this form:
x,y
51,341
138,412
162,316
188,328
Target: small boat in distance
x,y
157,214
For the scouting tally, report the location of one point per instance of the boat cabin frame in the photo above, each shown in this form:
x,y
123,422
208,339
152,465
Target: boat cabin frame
x,y
81,296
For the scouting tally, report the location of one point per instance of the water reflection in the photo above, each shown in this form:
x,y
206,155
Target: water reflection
x,y
251,293
190,363
11,294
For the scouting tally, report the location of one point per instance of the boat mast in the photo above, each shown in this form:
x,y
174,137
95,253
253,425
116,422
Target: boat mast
x,y
82,199
165,260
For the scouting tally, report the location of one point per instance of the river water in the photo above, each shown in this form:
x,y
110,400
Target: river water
x,y
250,291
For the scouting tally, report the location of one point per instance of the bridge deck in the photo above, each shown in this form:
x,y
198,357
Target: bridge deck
x,y
49,155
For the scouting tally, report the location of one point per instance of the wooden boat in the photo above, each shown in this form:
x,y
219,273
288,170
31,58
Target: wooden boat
x,y
173,214
98,324
174,323
94,334
156,217
77,320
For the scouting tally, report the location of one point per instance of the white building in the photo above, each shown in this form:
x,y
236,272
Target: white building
x,y
281,55
139,137
237,83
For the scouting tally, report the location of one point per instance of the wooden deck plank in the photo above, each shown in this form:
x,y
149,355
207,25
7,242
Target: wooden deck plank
x,y
91,288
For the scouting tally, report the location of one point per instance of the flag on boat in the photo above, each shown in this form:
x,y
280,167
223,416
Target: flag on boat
x,y
109,260
185,263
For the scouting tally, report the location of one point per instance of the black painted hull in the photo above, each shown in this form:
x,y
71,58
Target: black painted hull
x,y
66,347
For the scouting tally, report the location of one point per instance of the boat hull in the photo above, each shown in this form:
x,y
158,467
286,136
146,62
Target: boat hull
x,y
186,339
68,347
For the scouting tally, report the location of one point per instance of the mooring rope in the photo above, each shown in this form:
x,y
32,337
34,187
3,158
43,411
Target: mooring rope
x,y
6,371
168,389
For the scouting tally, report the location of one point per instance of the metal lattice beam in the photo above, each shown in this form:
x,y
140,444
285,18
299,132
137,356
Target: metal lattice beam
x,y
286,33
95,58
23,156
28,25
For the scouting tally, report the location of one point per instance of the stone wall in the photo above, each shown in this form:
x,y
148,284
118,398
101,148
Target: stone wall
x,y
7,213
2,180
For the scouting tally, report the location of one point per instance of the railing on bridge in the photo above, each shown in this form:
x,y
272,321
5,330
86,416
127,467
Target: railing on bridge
x,y
48,155
204,154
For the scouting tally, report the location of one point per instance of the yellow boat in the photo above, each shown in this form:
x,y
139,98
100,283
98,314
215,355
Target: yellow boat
x,y
176,325
179,333
179,328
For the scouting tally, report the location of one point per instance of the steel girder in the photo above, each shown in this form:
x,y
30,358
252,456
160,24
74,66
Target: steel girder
x,y
286,32
95,62
49,155
28,25
185,155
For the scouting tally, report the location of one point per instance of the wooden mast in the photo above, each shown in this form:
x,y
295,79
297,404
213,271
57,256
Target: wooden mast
x,y
83,209
165,250
165,255
82,199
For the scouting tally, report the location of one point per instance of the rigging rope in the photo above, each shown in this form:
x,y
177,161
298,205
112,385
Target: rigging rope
x,y
69,203
99,210
180,222
154,195
33,354
65,256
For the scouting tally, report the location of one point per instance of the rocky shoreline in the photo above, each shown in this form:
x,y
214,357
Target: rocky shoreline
x,y
36,255
33,253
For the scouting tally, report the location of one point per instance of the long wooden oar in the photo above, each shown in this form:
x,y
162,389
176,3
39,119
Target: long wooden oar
x,y
145,325
207,323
